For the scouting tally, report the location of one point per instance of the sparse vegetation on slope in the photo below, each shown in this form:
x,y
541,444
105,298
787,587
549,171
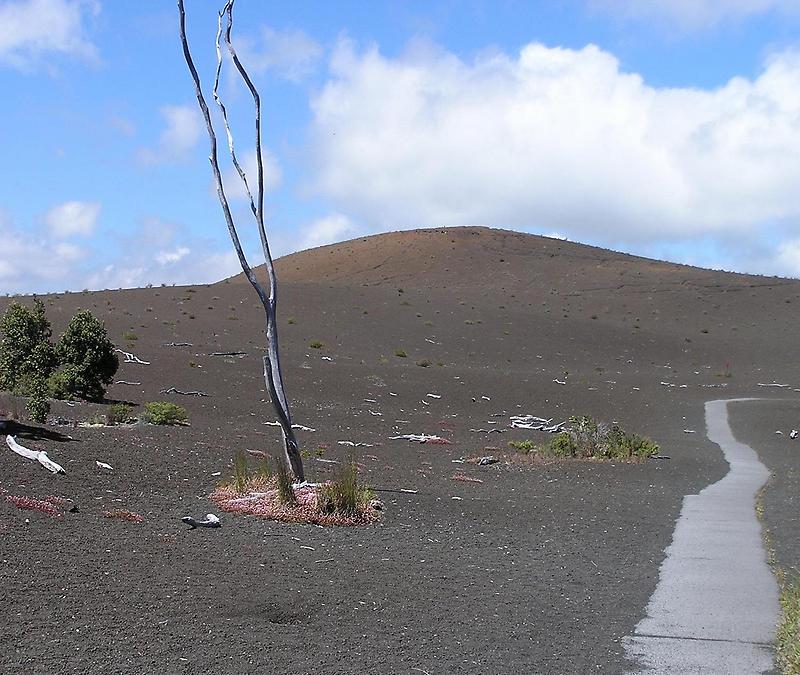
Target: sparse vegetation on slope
x,y
164,413
588,439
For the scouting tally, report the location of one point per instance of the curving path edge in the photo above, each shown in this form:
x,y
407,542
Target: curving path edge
x,y
715,607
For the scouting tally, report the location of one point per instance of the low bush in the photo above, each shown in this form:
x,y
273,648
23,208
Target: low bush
x,y
316,344
165,413
587,438
401,353
120,413
522,446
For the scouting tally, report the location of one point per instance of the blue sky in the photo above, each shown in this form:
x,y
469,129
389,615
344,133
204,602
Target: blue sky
x,y
666,128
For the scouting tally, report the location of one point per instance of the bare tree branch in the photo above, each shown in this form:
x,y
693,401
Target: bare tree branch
x,y
272,372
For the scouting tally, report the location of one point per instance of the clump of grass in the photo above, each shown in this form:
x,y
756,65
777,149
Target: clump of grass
x,y
241,471
264,469
525,447
164,413
291,321
424,363
119,413
401,353
344,495
316,344
130,336
788,638
589,439
286,495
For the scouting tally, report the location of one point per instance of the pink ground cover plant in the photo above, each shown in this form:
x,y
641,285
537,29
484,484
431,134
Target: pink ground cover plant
x,y
341,501
50,505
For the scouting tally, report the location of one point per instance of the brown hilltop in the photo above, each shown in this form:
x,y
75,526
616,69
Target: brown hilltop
x,y
458,257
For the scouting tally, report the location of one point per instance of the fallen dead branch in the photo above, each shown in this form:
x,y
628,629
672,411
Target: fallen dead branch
x,y
294,426
536,423
422,438
39,455
131,358
239,354
173,390
178,344
355,444
134,384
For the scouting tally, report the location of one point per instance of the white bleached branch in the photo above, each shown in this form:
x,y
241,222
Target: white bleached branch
x,y
131,358
39,455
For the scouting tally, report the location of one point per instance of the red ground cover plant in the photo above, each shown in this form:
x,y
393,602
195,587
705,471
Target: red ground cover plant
x,y
124,514
49,505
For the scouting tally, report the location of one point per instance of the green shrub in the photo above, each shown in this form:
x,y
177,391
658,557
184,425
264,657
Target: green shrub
x,y
401,353
119,413
344,495
130,336
87,357
587,438
563,445
316,344
164,412
522,446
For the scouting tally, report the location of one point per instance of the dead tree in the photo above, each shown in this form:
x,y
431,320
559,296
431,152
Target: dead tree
x,y
272,368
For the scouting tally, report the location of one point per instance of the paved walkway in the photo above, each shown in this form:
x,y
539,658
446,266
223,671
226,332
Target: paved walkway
x,y
715,607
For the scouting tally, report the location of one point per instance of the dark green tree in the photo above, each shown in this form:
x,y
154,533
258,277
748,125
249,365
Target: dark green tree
x,y
27,356
88,361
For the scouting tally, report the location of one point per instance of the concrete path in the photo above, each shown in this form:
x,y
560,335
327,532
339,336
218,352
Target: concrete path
x,y
715,607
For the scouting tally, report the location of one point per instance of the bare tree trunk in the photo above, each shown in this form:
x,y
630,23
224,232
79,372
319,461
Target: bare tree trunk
x,y
272,369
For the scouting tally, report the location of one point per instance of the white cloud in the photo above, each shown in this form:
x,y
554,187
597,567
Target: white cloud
x,y
71,218
164,252
787,259
234,188
693,14
30,30
169,257
555,139
30,263
327,230
184,127
291,53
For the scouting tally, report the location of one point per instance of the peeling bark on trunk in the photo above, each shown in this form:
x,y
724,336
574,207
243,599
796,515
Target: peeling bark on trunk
x,y
272,370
